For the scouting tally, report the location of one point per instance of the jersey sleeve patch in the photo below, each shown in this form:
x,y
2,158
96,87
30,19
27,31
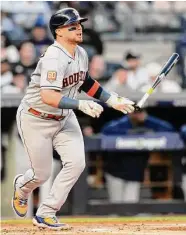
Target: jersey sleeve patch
x,y
51,76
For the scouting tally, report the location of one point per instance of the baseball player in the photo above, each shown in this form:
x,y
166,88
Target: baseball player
x,y
46,120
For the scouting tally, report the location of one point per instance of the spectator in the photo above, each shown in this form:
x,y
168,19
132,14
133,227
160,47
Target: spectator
x,y
137,76
40,38
6,75
12,30
11,81
8,50
19,79
118,80
27,62
21,10
6,22
97,67
166,86
125,172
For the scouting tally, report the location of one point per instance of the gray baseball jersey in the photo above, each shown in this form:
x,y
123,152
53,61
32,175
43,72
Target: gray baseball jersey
x,y
56,70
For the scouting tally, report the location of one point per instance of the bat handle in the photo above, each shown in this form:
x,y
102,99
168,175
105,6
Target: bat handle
x,y
136,107
139,105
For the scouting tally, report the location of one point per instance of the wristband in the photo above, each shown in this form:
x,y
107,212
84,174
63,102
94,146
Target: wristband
x,y
104,96
68,103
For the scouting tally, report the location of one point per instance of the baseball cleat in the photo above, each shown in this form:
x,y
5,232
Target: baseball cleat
x,y
50,223
19,204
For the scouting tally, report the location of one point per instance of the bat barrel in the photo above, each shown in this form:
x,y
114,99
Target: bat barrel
x,y
166,69
170,63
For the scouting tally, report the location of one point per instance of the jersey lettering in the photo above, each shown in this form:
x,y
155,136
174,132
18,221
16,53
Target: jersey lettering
x,y
75,78
65,82
70,79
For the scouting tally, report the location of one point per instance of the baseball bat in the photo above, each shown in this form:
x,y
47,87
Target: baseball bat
x,y
164,71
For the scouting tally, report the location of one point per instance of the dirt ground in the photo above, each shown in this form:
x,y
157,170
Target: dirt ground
x,y
140,227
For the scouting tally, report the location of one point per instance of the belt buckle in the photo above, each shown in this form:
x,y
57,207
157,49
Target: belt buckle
x,y
44,115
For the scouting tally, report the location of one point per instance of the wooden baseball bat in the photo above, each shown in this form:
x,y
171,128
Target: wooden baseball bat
x,y
164,71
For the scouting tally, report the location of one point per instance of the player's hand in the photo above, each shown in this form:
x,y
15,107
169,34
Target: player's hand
x,y
121,103
90,107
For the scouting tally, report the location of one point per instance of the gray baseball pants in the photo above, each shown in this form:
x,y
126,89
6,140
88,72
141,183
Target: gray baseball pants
x,y
39,136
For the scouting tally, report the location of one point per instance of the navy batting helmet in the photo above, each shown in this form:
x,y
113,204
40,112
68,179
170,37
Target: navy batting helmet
x,y
65,16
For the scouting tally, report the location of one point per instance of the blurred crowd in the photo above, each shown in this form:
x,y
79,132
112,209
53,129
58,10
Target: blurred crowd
x,y
25,36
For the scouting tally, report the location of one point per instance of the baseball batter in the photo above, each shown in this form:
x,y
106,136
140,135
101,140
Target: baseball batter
x,y
46,120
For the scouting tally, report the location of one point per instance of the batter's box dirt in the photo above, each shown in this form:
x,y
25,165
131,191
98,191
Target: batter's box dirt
x,y
103,226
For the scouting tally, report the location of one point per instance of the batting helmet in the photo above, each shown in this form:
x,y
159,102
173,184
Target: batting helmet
x,y
65,16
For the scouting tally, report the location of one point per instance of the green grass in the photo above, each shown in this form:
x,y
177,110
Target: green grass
x,y
103,219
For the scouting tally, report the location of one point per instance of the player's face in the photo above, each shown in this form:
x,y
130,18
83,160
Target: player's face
x,y
72,32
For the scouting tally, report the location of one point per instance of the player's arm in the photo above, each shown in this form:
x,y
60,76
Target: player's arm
x,y
52,74
55,99
95,90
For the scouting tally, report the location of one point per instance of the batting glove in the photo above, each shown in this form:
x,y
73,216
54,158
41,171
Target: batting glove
x,y
90,107
121,103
